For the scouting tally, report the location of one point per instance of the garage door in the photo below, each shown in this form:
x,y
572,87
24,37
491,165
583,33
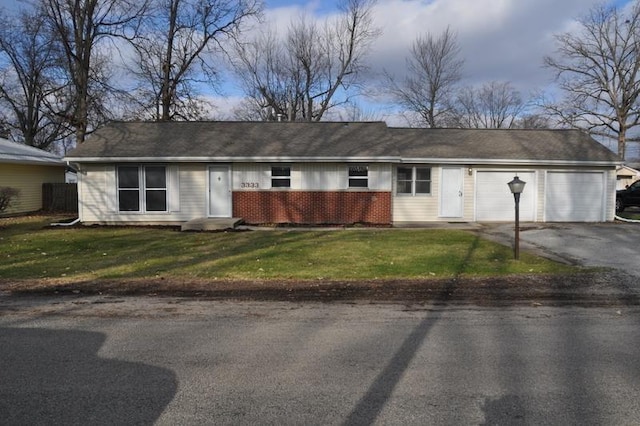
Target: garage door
x,y
494,201
574,197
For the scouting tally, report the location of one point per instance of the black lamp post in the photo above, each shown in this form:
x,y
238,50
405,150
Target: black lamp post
x,y
517,186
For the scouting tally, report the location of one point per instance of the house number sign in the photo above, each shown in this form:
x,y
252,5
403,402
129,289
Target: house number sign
x,y
249,185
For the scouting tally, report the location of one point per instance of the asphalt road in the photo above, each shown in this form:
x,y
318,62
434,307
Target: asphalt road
x,y
613,245
175,361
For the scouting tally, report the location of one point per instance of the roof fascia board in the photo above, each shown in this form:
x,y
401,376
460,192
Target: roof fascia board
x,y
474,161
230,159
38,162
484,161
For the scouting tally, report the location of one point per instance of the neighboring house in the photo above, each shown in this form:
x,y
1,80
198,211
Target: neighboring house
x,y
625,176
26,168
338,173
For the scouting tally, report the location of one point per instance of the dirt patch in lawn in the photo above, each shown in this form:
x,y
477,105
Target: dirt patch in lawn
x,y
589,288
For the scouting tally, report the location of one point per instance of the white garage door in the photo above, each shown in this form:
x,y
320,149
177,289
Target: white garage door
x,y
574,197
494,201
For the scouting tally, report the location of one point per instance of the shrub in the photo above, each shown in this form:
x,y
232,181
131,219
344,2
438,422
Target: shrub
x,y
7,197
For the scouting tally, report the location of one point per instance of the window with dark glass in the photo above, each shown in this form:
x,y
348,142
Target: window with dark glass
x,y
413,180
404,180
142,188
281,176
422,180
128,189
359,176
155,185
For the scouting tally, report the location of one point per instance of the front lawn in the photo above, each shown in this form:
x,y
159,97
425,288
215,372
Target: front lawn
x,y
630,213
29,249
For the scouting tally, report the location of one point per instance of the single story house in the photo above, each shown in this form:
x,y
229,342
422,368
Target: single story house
x,y
625,176
26,168
338,173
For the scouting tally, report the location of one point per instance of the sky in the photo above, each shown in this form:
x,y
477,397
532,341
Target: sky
x,y
500,40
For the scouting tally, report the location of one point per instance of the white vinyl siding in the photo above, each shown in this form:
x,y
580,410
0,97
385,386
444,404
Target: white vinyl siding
x,y
418,209
251,176
309,177
380,177
174,186
192,191
97,192
96,198
322,177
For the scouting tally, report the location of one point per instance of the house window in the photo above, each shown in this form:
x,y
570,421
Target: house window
x,y
281,176
358,176
142,188
412,180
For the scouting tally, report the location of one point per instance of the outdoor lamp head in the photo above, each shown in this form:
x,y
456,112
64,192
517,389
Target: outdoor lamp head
x,y
516,185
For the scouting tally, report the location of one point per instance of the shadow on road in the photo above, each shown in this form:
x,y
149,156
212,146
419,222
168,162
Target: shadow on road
x,y
55,377
372,403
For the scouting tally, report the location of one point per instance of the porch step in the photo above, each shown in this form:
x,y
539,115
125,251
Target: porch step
x,y
211,224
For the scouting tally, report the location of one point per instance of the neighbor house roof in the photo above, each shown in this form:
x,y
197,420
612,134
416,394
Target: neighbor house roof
x,y
332,141
18,153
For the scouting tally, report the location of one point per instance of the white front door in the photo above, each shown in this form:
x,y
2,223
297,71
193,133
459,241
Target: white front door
x,y
219,191
451,192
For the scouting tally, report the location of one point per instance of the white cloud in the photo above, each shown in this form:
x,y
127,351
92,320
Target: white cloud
x,y
499,39
502,40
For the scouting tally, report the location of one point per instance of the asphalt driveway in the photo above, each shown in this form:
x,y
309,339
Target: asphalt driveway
x,y
614,245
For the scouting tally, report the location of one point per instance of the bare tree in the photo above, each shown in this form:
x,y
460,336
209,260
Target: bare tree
x,y
300,77
533,120
433,70
494,105
597,69
31,91
174,54
353,111
79,27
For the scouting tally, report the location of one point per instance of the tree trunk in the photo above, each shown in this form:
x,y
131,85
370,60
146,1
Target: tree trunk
x,y
622,142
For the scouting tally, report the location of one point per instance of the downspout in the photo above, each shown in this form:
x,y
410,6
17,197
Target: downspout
x,y
624,219
74,222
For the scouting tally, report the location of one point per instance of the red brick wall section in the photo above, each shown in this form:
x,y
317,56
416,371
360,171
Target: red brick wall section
x,y
260,207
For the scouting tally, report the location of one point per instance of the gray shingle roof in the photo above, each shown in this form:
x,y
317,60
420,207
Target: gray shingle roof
x,y
268,141
503,144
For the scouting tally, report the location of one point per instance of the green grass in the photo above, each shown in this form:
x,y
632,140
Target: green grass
x,y
630,214
29,249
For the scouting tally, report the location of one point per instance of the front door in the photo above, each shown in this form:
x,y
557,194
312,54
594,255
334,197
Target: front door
x,y
451,192
219,191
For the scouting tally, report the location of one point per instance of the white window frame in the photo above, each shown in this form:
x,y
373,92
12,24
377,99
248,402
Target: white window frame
x,y
276,178
354,177
414,180
142,189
